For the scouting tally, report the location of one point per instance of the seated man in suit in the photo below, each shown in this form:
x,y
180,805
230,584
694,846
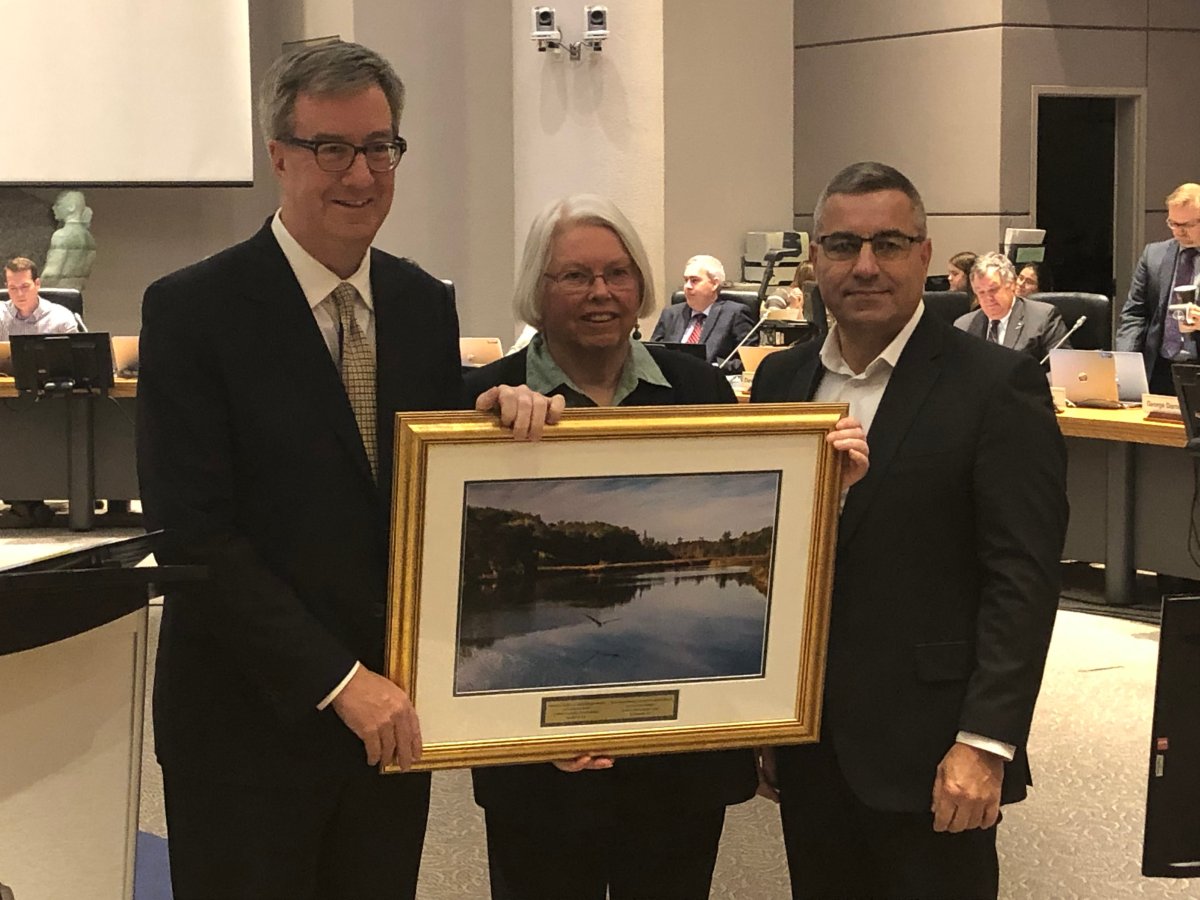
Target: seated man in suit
x,y
27,312
1029,326
719,324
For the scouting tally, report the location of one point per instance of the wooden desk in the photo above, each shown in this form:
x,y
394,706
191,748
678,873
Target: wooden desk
x,y
1130,483
78,447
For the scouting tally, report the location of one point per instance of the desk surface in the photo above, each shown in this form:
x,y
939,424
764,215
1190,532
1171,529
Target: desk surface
x,y
1130,425
122,387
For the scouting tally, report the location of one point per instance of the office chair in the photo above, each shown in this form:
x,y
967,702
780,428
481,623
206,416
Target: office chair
x,y
71,298
749,298
1096,333
947,305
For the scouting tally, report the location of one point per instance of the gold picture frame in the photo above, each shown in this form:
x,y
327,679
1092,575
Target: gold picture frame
x,y
493,683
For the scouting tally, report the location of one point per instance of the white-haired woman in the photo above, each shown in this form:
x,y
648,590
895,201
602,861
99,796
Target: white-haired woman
x,y
644,826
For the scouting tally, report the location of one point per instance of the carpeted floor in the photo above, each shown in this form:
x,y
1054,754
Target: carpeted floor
x,y
1077,836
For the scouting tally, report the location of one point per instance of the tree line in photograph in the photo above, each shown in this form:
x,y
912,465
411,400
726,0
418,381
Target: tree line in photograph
x,y
510,545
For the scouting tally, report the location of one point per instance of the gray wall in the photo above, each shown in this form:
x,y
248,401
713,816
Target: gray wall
x,y
944,91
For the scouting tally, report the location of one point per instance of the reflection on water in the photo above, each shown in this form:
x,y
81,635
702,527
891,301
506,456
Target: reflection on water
x,y
580,629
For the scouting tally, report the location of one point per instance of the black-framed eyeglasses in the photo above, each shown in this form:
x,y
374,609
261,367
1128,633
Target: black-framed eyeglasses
x,y
886,245
579,281
338,156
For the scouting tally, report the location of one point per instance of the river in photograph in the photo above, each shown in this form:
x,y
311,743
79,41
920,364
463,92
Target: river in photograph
x,y
583,629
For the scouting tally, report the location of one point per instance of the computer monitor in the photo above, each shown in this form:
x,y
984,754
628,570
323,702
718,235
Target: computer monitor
x,y
1187,389
696,350
62,363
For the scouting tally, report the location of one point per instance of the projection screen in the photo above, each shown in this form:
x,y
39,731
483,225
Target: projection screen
x,y
108,92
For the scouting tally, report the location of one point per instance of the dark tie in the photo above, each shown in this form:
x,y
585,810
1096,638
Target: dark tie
x,y
1185,271
357,368
697,327
993,334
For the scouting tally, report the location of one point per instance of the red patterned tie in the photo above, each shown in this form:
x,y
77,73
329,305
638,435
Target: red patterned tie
x,y
697,327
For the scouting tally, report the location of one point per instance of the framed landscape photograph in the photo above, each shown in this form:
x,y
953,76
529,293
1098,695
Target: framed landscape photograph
x,y
641,580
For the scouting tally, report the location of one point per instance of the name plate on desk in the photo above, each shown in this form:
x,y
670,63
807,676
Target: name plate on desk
x,y
1161,407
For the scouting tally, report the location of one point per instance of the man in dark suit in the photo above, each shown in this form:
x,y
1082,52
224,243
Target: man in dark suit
x,y
704,318
270,374
1145,326
1027,326
946,579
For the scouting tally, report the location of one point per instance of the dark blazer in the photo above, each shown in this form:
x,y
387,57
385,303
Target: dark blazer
x,y
728,322
946,581
249,457
1140,326
1034,327
540,792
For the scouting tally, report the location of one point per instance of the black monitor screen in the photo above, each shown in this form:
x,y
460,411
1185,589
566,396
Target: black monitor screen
x,y
1187,389
60,363
696,350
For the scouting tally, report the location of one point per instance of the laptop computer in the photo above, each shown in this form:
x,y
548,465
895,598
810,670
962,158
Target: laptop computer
x,y
125,356
696,350
1099,378
6,368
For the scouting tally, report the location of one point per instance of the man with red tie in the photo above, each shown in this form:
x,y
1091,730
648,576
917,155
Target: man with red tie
x,y
703,317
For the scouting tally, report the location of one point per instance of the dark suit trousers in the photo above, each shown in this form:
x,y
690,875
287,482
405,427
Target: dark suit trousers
x,y
653,855
353,837
838,847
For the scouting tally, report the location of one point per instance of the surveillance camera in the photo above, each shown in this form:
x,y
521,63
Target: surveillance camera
x,y
596,23
544,27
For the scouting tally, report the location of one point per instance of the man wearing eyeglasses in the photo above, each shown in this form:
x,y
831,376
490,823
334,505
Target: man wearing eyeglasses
x,y
946,580
703,318
1146,325
1027,326
265,452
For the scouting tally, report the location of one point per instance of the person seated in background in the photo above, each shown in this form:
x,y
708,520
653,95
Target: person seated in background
x,y
583,282
1028,326
805,274
704,318
1034,278
958,271
26,311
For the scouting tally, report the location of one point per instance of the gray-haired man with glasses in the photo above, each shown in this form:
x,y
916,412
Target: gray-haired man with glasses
x,y
265,452
703,317
946,580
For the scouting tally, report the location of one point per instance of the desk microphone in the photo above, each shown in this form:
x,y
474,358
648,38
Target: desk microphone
x,y
79,322
1071,331
749,334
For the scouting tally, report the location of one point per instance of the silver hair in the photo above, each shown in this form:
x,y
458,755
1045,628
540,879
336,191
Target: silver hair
x,y
995,263
337,67
578,209
710,264
867,178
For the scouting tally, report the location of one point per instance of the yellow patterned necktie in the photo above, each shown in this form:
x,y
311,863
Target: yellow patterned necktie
x,y
357,369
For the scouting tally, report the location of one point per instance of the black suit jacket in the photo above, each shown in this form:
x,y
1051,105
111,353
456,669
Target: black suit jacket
x,y
728,322
540,792
946,580
1034,327
250,458
1140,327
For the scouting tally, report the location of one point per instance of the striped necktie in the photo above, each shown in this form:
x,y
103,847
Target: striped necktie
x,y
357,368
697,327
993,332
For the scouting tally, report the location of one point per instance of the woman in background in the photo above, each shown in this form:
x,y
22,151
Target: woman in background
x,y
1034,278
958,270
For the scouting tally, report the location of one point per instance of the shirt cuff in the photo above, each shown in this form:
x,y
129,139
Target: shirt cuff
x,y
341,685
979,742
